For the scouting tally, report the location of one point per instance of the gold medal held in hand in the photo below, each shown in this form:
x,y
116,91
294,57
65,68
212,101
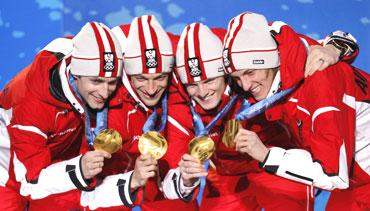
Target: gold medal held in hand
x,y
153,143
201,148
231,129
108,140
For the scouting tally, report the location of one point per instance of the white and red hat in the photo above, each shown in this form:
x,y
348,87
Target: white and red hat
x,y
148,48
249,45
199,54
96,52
121,33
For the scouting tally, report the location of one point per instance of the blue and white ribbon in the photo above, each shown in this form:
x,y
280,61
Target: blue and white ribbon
x,y
151,121
200,131
101,117
248,111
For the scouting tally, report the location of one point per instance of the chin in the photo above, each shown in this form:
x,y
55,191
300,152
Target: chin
x,y
151,103
96,106
208,106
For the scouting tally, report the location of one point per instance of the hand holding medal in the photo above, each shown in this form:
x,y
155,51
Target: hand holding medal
x,y
248,111
152,142
152,146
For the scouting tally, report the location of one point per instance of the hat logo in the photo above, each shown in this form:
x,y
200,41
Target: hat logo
x,y
258,61
108,61
226,57
193,64
151,58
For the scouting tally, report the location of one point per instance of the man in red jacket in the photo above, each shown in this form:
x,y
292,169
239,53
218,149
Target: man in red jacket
x,y
200,68
44,111
147,80
327,112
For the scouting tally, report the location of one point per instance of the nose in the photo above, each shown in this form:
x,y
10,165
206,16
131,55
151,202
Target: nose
x,y
151,87
245,84
202,91
104,91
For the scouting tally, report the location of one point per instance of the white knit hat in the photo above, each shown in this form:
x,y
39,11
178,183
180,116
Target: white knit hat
x,y
199,54
148,48
96,52
121,33
249,45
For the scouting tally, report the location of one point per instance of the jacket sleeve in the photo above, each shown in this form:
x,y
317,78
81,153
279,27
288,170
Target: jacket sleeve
x,y
178,135
327,130
31,155
114,191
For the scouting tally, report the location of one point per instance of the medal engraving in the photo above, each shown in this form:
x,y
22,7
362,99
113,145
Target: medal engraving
x,y
201,148
153,143
231,129
108,140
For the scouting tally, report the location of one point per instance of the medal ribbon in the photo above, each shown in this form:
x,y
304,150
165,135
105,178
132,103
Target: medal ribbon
x,y
199,128
200,131
151,121
101,117
248,111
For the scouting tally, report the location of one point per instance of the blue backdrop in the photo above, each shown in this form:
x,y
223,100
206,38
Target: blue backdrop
x,y
26,26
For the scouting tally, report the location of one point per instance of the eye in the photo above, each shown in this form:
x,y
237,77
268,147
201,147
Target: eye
x,y
95,81
161,78
112,83
249,72
140,79
211,81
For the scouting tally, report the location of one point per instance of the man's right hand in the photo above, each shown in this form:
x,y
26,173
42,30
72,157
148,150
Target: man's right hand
x,y
191,170
92,163
145,168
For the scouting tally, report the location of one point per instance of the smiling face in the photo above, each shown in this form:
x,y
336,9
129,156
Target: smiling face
x,y
94,90
255,81
208,93
150,87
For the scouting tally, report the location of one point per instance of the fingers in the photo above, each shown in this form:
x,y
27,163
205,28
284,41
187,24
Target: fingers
x,y
146,160
92,163
319,58
187,157
191,168
145,168
101,153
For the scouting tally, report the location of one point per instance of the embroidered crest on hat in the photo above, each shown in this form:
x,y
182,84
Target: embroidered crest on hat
x,y
148,48
96,52
199,54
194,67
151,58
226,57
108,61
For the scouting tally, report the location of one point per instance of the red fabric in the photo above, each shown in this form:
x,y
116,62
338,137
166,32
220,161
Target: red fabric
x,y
58,202
128,119
33,105
323,137
39,108
11,200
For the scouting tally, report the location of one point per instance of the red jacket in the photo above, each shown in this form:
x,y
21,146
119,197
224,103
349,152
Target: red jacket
x,y
128,119
45,130
327,115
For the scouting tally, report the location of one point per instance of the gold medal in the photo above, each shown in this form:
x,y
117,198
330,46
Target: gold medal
x,y
153,143
201,148
231,129
108,140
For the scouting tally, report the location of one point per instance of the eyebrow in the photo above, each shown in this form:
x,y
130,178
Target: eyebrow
x,y
161,75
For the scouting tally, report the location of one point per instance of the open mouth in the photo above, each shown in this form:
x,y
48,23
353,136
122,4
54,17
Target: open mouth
x,y
98,100
255,89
